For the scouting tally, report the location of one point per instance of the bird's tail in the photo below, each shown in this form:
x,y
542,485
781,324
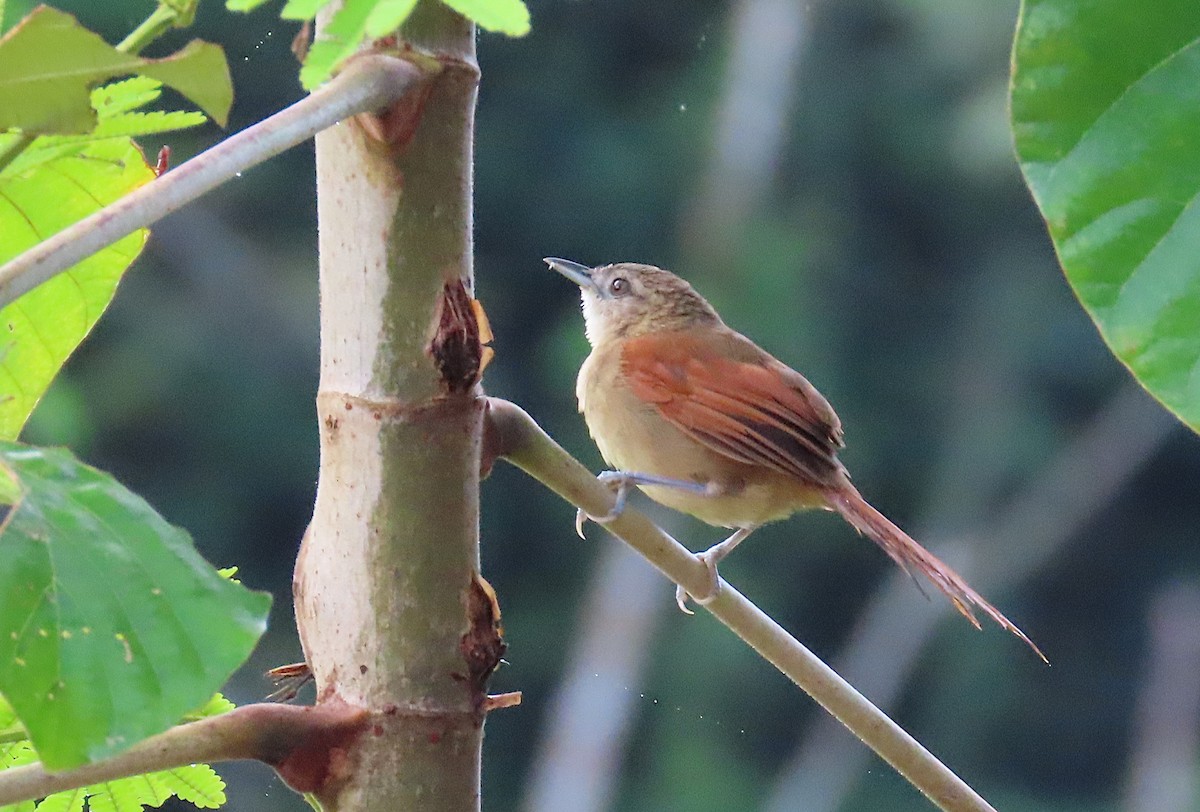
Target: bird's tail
x,y
910,555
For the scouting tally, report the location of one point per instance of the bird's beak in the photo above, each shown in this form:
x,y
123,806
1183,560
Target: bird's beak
x,y
579,274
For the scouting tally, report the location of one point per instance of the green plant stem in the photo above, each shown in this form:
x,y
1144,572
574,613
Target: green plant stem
x,y
386,573
513,435
160,20
368,83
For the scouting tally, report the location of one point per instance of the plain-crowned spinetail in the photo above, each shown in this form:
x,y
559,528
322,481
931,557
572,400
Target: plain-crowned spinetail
x,y
706,422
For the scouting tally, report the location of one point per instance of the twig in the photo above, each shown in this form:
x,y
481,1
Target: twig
x,y
266,732
1036,524
517,438
366,84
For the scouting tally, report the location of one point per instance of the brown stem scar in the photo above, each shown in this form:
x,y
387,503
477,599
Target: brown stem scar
x,y
457,346
482,646
318,756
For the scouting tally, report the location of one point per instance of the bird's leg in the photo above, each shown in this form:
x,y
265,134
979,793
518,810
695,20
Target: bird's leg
x,y
621,482
710,558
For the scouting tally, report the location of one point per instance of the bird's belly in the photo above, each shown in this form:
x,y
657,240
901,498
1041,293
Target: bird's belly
x,y
632,436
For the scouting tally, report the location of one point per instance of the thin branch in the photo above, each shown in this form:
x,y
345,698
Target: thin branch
x,y
273,734
516,437
367,84
1037,524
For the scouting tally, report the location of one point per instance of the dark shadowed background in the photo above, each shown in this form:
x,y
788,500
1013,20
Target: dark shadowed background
x,y
839,181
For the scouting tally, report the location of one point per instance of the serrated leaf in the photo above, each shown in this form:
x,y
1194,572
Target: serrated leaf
x,y
215,706
117,117
114,796
387,16
198,784
51,184
126,95
338,41
509,17
48,64
41,328
70,801
302,9
112,627
1106,118
14,754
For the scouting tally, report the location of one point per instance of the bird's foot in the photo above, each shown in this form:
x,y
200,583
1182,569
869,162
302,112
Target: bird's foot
x,y
621,483
714,583
710,558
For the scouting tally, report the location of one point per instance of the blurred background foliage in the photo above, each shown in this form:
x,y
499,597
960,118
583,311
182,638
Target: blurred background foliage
x,y
889,250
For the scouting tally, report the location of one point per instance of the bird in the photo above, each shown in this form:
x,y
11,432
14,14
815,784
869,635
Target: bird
x,y
704,421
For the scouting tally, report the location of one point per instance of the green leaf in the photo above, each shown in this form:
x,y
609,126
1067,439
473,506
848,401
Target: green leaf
x,y
509,17
292,10
387,16
56,181
338,42
302,9
117,117
40,329
215,706
69,801
359,20
112,627
48,63
1106,118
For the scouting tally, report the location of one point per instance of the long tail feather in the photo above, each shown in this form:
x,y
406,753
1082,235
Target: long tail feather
x,y
910,555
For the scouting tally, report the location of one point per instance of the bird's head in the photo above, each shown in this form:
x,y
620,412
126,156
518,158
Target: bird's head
x,y
628,299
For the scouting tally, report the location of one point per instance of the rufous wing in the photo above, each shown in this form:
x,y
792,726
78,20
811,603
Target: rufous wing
x,y
726,393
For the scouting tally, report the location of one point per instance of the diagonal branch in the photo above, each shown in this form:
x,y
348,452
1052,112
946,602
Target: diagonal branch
x,y
296,741
513,435
367,84
1039,521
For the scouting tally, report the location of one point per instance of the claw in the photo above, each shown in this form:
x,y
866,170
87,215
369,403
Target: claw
x,y
710,558
714,588
681,599
620,482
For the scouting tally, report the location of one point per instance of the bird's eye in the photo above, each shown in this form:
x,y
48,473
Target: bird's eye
x,y
618,286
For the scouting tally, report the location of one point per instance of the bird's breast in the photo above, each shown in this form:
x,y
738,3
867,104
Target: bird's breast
x,y
633,436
